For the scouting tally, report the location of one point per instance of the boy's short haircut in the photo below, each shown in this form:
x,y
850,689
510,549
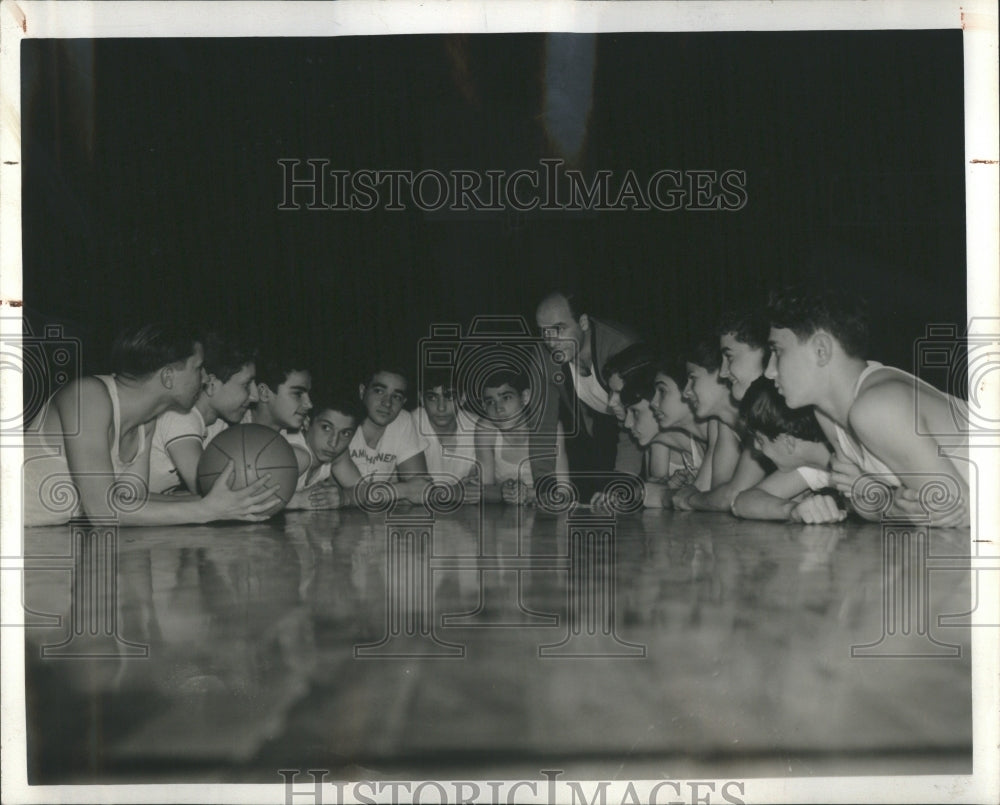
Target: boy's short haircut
x,y
842,314
706,354
386,368
341,404
628,360
224,357
517,380
763,411
749,327
273,368
140,351
434,376
674,367
640,384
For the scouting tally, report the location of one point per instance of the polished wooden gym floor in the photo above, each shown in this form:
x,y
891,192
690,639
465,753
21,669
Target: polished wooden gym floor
x,y
493,644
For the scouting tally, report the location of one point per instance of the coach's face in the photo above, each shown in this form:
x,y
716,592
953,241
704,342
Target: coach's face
x,y
562,335
383,397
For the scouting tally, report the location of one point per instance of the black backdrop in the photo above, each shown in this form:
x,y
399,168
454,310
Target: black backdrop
x,y
152,183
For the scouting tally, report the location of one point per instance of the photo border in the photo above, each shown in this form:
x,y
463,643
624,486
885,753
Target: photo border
x,y
56,19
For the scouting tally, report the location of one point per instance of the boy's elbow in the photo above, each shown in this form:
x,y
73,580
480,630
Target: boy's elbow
x,y
740,506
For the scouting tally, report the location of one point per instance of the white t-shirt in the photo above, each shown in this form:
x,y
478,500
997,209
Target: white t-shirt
x,y
313,475
460,459
399,441
172,426
589,391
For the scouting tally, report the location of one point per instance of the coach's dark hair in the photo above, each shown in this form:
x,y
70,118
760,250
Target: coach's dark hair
x,y
706,354
749,327
640,384
763,411
274,367
140,351
842,314
517,380
224,357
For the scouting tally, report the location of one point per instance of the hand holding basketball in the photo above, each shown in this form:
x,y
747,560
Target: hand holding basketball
x,y
255,502
243,455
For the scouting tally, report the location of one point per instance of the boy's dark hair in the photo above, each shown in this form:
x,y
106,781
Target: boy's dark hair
x,y
842,314
224,357
706,354
749,327
517,380
342,404
388,368
640,384
628,360
273,368
674,367
763,411
434,376
140,351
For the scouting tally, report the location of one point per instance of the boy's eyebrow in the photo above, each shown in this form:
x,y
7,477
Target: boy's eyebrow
x,y
298,388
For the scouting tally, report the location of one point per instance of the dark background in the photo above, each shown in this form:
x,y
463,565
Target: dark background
x,y
151,183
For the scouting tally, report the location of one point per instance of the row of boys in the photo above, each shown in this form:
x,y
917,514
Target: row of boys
x,y
775,417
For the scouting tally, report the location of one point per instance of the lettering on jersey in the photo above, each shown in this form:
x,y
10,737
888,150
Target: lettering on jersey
x,y
376,458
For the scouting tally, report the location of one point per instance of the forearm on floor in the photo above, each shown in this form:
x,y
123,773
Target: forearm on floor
x,y
755,504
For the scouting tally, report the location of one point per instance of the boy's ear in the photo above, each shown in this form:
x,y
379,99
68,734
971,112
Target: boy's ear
x,y
584,322
788,442
361,391
167,377
264,392
209,385
525,397
822,347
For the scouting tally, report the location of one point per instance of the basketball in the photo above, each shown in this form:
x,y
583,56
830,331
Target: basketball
x,y
256,451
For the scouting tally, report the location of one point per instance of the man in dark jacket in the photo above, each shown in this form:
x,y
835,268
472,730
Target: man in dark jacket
x,y
577,394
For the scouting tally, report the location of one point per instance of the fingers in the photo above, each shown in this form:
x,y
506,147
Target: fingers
x,y
226,476
818,509
258,490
